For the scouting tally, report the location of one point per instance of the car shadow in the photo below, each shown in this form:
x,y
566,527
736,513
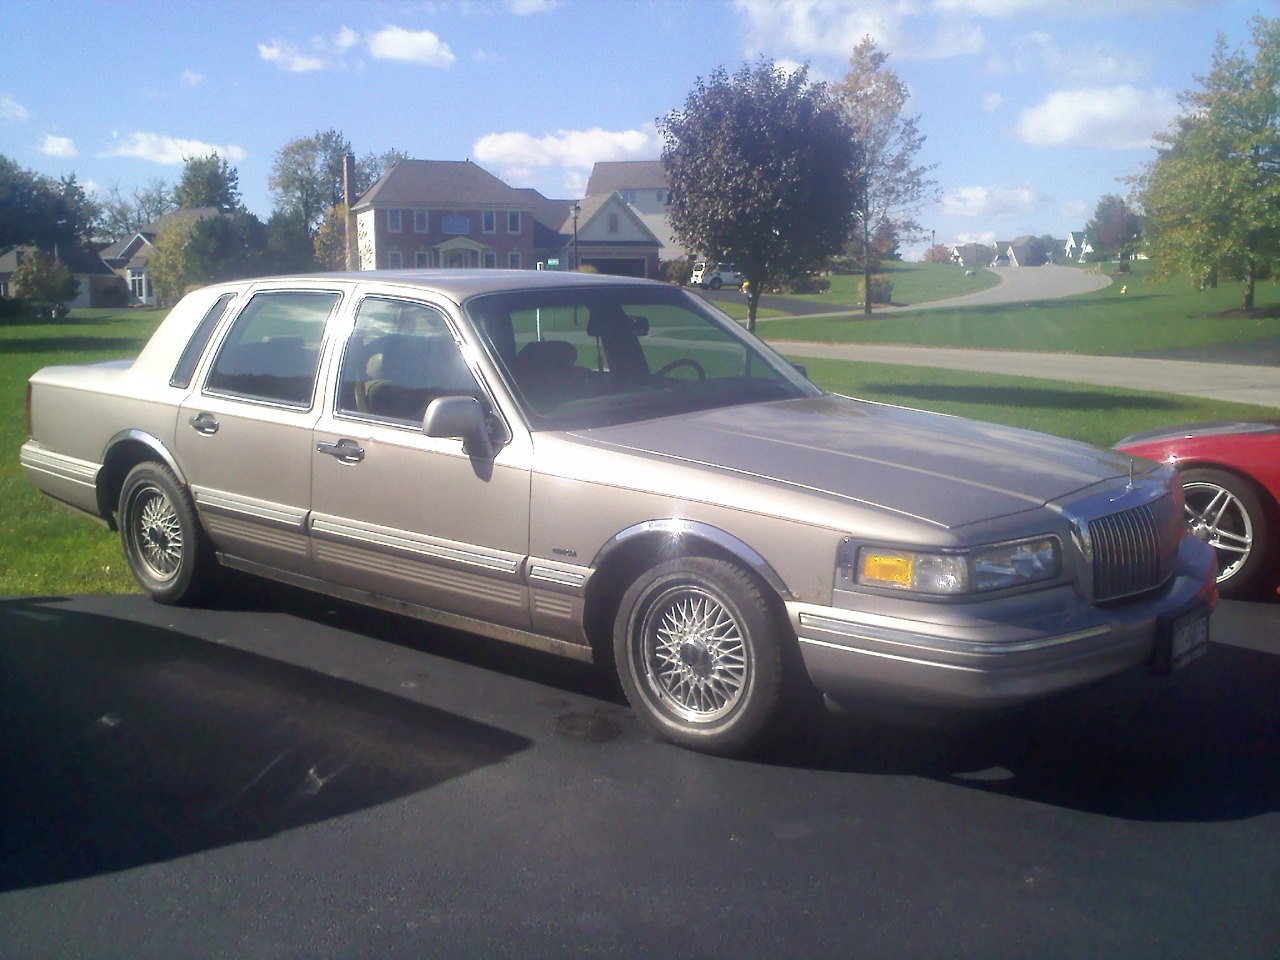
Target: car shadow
x,y
123,744
1045,397
1200,745
123,346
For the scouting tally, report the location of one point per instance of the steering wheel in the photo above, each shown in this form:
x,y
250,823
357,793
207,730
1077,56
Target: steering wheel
x,y
698,368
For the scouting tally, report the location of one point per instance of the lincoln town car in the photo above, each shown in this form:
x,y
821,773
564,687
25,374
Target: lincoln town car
x,y
612,470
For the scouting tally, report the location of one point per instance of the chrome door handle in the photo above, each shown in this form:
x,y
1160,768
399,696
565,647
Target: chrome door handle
x,y
347,451
205,423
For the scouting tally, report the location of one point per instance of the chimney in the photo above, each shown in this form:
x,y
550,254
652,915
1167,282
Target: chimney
x,y
349,198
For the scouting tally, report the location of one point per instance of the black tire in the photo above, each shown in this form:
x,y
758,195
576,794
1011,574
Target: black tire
x,y
699,652
716,283
164,545
1225,510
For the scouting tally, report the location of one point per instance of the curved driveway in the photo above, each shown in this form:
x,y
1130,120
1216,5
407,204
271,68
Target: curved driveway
x,y
1022,283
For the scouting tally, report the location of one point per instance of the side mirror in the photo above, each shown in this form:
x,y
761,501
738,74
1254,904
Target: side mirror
x,y
801,369
459,418
639,325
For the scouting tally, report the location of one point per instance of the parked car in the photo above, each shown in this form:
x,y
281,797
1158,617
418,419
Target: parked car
x,y
613,470
707,274
1230,475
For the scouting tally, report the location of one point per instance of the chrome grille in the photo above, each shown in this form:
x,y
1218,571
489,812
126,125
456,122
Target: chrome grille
x,y
1136,549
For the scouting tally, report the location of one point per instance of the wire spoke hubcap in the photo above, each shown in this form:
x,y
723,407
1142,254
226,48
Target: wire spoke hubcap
x,y
1217,516
158,534
694,656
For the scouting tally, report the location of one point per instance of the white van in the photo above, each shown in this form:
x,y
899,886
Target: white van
x,y
708,274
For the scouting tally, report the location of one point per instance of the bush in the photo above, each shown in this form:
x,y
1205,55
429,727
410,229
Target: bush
x,y
881,290
677,271
15,309
806,285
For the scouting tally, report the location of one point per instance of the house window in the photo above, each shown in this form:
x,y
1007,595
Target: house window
x,y
629,196
394,260
419,221
489,221
513,259
421,258
455,224
490,260
660,196
139,285
394,224
513,221
4,288
613,223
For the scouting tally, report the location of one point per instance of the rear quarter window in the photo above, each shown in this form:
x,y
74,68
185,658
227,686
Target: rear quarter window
x,y
186,367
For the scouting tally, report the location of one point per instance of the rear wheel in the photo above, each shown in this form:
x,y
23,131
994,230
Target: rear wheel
x,y
162,539
716,283
1224,510
699,653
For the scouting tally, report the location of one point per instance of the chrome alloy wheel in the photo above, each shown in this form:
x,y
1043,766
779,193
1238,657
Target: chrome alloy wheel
x,y
694,656
1217,516
156,532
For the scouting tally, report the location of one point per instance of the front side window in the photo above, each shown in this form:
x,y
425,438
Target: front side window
x,y
513,260
395,222
421,258
272,351
587,357
419,221
490,259
488,221
401,356
513,221
395,260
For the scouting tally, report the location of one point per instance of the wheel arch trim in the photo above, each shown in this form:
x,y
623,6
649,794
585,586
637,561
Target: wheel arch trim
x,y
109,477
677,531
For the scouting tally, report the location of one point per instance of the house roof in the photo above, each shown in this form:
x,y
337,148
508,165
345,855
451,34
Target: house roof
x,y
127,248
78,260
610,175
443,182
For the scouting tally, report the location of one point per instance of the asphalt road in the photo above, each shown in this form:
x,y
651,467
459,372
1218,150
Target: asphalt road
x,y
289,777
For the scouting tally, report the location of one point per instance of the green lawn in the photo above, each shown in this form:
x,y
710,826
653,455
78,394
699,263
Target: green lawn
x,y
1149,315
44,549
912,283
1097,415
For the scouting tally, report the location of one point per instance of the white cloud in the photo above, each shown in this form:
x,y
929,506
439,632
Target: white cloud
x,y
999,201
63,148
411,46
524,8
160,148
517,154
289,58
345,38
834,27
11,109
192,79
1095,63
1113,118
992,102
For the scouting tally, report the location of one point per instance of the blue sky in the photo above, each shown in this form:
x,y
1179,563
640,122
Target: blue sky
x,y
1032,108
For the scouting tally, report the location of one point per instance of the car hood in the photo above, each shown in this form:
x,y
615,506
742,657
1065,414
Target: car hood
x,y
1216,428
945,470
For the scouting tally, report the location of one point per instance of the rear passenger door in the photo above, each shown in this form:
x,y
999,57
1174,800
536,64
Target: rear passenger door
x,y
404,515
244,438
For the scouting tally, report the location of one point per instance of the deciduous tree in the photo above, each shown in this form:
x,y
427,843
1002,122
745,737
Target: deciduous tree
x,y
46,213
938,253
894,184
761,166
44,280
1212,194
1115,227
122,216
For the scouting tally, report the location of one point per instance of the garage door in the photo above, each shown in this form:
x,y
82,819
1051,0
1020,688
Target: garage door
x,y
617,266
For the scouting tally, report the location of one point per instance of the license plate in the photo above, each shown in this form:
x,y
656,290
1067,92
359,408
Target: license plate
x,y
1181,640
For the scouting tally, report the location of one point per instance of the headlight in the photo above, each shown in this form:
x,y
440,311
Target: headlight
x,y
963,571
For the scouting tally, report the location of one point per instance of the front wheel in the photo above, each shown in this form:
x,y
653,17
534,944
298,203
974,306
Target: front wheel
x,y
1224,510
162,539
716,283
699,653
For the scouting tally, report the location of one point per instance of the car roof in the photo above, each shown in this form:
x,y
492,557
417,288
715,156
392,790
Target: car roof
x,y
462,284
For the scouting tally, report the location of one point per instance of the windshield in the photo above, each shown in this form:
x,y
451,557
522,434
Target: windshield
x,y
592,356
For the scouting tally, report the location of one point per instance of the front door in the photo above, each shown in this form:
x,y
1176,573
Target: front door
x,y
404,515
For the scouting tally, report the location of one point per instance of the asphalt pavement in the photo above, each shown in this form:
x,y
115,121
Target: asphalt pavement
x,y
289,777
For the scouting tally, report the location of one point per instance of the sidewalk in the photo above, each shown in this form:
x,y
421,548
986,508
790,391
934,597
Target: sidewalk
x,y
1215,381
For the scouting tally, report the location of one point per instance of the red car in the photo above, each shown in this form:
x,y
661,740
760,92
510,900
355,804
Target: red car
x,y
1231,479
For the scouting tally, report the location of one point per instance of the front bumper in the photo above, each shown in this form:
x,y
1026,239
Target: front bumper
x,y
988,654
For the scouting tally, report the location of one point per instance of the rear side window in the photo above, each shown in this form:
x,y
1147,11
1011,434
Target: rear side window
x,y
186,367
273,350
